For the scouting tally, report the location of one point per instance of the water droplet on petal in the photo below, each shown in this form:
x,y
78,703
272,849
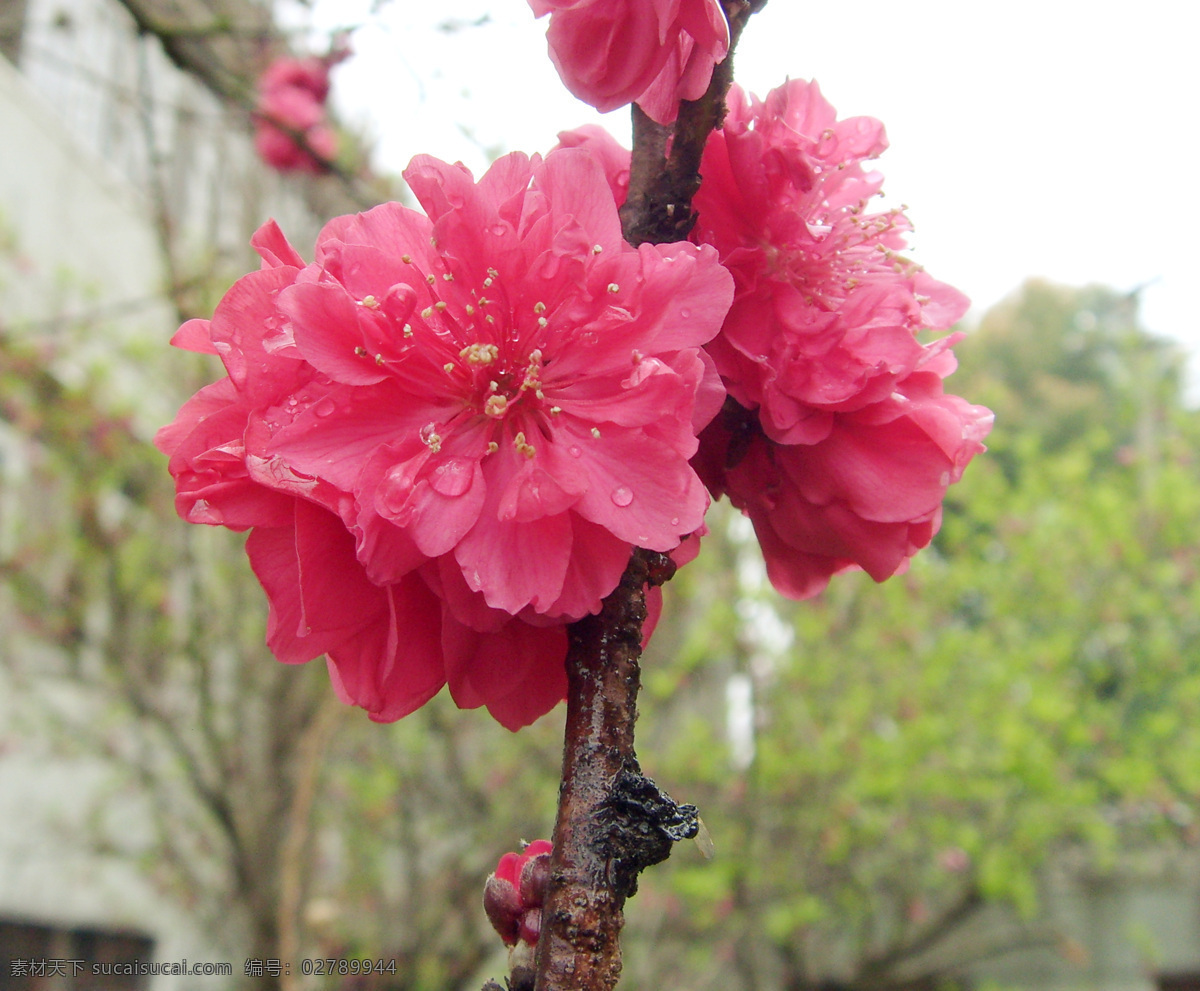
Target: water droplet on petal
x,y
622,496
574,451
453,477
324,407
674,521
395,489
685,313
203,512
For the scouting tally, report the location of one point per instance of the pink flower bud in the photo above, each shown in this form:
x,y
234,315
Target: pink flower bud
x,y
503,907
514,907
535,873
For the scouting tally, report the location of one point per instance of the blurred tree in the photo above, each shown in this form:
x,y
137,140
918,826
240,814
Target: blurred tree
x,y
288,825
1056,362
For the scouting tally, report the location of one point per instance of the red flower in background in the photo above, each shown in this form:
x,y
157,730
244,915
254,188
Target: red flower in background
x,y
292,132
650,52
450,430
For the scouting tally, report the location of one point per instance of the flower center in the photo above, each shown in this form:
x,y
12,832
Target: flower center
x,y
491,370
845,250
490,351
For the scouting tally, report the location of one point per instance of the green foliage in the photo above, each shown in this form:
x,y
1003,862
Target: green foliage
x,y
924,748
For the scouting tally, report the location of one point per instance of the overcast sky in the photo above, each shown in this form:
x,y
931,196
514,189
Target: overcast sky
x,y
1052,138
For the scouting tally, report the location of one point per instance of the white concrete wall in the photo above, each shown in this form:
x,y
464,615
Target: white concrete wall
x,y
83,247
90,120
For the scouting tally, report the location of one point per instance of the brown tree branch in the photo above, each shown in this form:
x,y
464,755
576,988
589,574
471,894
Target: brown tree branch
x,y
879,969
612,821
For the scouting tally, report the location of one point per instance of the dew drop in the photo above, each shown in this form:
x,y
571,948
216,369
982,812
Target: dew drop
x,y
574,451
395,489
325,407
453,477
685,313
622,496
203,512
674,521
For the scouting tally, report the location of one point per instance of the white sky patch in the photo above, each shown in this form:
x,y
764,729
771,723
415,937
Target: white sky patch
x,y
1030,139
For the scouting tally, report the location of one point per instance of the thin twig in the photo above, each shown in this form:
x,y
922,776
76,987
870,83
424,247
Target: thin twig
x,y
310,753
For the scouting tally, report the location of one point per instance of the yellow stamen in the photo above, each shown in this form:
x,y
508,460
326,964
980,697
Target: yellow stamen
x,y
479,354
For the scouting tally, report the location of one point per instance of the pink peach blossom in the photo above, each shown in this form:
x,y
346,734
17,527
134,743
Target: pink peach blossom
x,y
867,495
650,52
450,430
292,133
520,394
837,440
310,74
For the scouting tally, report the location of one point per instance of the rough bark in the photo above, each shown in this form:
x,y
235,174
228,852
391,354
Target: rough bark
x,y
613,822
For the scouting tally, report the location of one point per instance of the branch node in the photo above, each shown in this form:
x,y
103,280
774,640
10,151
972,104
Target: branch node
x,y
641,823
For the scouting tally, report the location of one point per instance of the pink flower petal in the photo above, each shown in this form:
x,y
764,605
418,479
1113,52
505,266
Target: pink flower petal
x,y
409,643
318,593
518,672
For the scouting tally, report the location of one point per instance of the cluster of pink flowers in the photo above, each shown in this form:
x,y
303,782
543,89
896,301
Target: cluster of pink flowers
x,y
650,52
450,430
836,439
292,132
